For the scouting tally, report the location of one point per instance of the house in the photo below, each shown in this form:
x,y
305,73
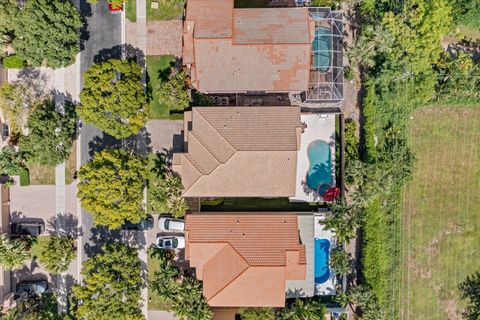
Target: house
x,y
264,50
245,259
239,152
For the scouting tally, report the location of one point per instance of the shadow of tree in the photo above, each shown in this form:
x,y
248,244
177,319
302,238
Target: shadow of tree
x,y
127,51
298,292
98,143
65,224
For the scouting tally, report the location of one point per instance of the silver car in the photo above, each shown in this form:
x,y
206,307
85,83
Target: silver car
x,y
170,242
170,224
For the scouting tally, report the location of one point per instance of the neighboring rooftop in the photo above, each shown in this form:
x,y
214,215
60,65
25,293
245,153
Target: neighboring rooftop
x,y
241,50
245,259
239,152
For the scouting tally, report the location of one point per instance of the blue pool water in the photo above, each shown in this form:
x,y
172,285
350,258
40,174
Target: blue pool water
x,y
322,42
322,253
320,170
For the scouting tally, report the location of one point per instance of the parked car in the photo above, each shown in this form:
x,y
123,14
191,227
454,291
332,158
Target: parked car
x,y
144,224
170,242
27,227
170,224
114,9
32,287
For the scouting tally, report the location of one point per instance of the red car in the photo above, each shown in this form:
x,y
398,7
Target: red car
x,y
114,9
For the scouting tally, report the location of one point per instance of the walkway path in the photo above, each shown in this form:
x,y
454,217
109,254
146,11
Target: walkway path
x,y
141,44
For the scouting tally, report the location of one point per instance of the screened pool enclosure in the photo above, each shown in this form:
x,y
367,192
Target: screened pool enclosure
x,y
326,66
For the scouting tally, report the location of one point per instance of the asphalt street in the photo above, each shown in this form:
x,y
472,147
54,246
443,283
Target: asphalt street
x,y
101,40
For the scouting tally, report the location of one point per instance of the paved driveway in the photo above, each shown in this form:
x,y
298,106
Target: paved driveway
x,y
38,201
164,37
165,135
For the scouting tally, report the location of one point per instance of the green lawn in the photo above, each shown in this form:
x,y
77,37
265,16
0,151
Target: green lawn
x,y
131,10
441,212
158,67
155,302
167,10
259,204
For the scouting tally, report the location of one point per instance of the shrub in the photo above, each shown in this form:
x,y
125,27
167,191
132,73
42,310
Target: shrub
x,y
13,62
175,116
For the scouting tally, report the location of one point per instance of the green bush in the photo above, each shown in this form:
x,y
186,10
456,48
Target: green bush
x,y
348,73
175,116
13,62
24,177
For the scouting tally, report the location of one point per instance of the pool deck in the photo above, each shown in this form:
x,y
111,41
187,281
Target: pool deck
x,y
318,127
328,287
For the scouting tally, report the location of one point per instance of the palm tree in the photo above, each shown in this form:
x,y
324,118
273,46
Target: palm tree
x,y
340,262
57,254
304,309
178,206
164,281
374,40
189,302
13,253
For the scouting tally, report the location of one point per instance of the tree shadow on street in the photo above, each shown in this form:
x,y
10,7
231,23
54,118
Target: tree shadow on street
x,y
127,51
100,143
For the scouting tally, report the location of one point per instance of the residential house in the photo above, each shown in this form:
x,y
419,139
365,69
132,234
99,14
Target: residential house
x,y
245,260
239,152
264,50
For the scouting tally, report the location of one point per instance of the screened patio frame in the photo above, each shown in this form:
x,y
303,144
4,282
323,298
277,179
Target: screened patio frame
x,y
327,86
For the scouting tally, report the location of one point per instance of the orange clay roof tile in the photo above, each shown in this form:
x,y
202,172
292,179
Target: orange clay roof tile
x,y
238,50
241,151
244,259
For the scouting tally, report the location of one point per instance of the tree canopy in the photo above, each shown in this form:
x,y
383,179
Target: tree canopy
x,y
111,287
13,253
50,134
470,289
113,98
45,32
57,254
111,187
173,91
257,313
11,162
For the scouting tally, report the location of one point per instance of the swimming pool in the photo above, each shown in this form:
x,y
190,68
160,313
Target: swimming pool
x,y
323,43
320,170
322,254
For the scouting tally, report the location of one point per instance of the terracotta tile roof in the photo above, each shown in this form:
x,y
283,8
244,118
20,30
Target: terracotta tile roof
x,y
271,25
267,49
212,18
241,151
258,253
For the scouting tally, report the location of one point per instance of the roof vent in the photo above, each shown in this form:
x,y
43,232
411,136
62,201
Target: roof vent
x,y
238,221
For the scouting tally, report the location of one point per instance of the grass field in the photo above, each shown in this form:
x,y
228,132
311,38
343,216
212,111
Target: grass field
x,y
158,67
167,10
441,212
